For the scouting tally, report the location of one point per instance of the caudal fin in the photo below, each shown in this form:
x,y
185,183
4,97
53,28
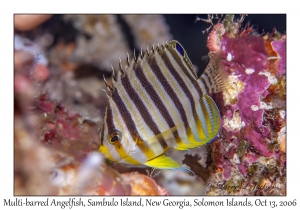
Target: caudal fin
x,y
214,77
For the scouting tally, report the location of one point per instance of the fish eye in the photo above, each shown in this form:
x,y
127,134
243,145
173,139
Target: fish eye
x,y
114,137
180,49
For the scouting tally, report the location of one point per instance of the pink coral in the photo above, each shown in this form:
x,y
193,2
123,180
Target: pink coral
x,y
28,22
251,119
247,51
143,185
214,38
280,47
40,72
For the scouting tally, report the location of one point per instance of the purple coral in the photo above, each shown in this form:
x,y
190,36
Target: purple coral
x,y
249,134
280,47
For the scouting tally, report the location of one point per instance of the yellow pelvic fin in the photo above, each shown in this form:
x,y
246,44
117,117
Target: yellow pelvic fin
x,y
165,162
162,162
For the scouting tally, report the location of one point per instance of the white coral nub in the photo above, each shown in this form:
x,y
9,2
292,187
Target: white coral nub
x,y
254,107
229,57
249,71
272,79
235,86
235,123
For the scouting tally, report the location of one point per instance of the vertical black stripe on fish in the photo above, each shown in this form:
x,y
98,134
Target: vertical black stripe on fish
x,y
109,119
126,116
206,117
178,60
169,90
102,135
212,111
135,98
183,86
139,72
111,127
210,80
205,85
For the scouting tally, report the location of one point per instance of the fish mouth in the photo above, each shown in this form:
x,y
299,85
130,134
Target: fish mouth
x,y
105,151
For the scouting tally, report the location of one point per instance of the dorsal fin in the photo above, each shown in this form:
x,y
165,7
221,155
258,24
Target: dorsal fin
x,y
134,57
114,74
109,89
127,62
172,51
120,69
147,51
214,78
181,58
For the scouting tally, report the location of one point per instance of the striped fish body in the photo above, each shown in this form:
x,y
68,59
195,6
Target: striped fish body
x,y
157,103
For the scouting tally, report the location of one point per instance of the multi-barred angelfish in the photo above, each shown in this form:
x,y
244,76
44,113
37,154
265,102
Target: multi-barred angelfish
x,y
157,102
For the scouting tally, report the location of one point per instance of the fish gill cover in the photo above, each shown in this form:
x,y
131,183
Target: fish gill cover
x,y
59,107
